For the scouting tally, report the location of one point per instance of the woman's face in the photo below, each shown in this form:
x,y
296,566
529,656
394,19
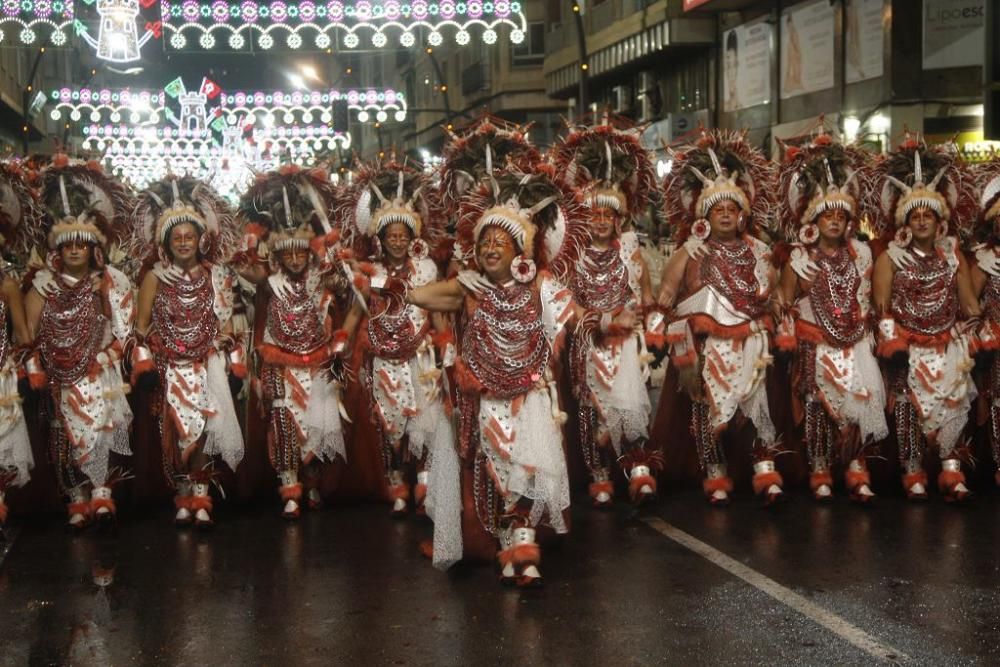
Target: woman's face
x,y
76,255
183,243
724,219
495,252
923,223
295,260
396,241
832,224
603,226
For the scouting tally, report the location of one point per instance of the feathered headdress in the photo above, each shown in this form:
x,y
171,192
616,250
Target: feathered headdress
x,y
917,175
82,204
721,165
547,219
987,177
288,208
384,193
471,154
184,199
20,215
819,176
607,161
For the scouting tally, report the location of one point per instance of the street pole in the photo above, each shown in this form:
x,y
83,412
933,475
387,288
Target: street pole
x,y
581,44
26,99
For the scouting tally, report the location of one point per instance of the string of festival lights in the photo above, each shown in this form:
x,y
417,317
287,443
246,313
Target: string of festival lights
x,y
224,137
117,30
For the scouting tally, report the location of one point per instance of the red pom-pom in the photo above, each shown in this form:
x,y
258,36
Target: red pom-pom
x,y
60,160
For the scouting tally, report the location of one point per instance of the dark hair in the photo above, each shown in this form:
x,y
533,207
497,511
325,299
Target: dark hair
x,y
732,43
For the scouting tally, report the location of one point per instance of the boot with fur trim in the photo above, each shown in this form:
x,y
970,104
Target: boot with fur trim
x,y
78,508
717,485
520,557
420,492
915,481
102,505
641,485
602,490
182,502
858,480
951,482
201,505
821,481
291,494
314,499
767,482
399,494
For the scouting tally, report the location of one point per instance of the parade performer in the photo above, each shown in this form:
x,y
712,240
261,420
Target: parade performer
x,y
81,313
920,196
19,219
718,285
985,274
509,414
286,218
394,219
185,306
614,173
826,293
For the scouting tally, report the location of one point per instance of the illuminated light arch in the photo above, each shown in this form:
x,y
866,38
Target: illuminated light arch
x,y
268,24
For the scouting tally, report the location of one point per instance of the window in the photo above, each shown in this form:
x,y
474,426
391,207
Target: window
x,y
531,51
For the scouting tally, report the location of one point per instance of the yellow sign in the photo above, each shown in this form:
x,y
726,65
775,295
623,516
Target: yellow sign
x,y
971,145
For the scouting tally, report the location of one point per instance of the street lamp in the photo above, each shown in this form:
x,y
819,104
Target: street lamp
x,y
309,72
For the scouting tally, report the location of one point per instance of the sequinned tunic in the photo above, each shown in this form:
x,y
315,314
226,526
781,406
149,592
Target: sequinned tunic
x,y
504,362
838,366
924,307
15,448
610,377
188,313
724,300
81,345
296,351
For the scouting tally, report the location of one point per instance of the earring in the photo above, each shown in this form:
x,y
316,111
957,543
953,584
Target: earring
x,y
204,244
903,237
809,234
418,249
741,223
701,229
523,269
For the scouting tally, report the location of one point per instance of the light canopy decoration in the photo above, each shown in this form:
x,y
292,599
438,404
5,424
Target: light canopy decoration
x,y
222,137
296,24
116,23
117,30
36,22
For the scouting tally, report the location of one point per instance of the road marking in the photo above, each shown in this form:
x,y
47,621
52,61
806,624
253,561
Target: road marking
x,y
835,624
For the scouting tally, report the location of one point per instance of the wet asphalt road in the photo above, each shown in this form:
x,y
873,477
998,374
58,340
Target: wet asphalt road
x,y
347,586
